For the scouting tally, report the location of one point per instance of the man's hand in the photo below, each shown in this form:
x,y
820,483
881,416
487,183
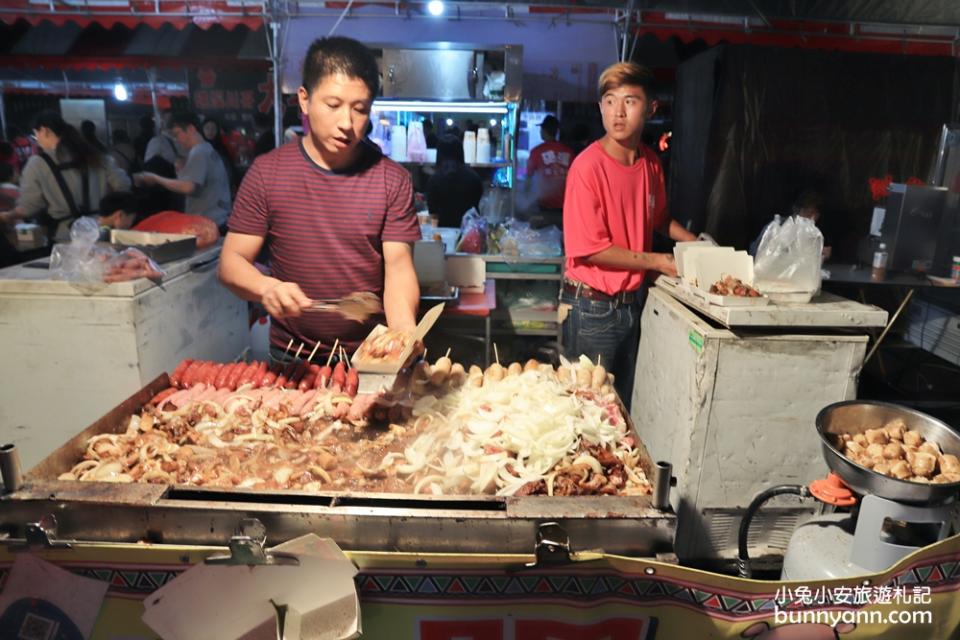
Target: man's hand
x,y
144,179
666,265
285,299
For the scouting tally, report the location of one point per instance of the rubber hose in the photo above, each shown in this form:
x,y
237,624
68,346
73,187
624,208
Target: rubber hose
x,y
743,559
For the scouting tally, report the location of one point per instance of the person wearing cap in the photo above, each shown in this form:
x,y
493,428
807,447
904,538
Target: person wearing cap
x,y
615,198
548,165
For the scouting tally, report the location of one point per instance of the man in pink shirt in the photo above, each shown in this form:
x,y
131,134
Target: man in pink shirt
x,y
615,198
548,166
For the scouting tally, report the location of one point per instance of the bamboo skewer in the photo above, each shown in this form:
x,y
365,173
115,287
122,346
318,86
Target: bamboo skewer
x,y
314,352
496,354
333,350
287,350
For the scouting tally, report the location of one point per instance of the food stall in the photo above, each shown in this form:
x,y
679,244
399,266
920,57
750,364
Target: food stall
x,y
731,401
73,349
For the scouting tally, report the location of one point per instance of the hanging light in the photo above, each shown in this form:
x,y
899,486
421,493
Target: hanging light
x,y
120,92
449,122
493,122
435,7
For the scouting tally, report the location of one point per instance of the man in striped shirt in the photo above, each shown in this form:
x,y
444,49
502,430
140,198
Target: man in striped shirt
x,y
335,214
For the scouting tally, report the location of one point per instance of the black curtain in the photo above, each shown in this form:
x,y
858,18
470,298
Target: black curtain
x,y
754,126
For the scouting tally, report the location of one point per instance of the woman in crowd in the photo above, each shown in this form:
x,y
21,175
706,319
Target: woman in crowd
x,y
65,180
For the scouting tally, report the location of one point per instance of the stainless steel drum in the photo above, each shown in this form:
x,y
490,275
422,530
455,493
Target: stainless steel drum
x,y
856,416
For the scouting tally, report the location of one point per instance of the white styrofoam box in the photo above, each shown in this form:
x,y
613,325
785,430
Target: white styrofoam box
x,y
681,248
733,412
70,356
466,270
713,266
428,261
692,255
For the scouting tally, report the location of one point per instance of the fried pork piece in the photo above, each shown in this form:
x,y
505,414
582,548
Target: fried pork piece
x,y
895,429
730,286
899,453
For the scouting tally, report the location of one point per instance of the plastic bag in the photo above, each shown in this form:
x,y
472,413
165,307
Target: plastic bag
x,y
473,233
83,260
520,240
788,257
80,260
131,264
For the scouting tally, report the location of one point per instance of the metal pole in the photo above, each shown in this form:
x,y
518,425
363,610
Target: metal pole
x,y
152,78
273,40
10,468
661,491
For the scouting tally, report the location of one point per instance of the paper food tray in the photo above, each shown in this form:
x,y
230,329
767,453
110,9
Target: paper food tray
x,y
711,266
393,366
726,301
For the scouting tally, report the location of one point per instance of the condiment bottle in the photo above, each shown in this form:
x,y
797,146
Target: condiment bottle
x,y
955,270
879,270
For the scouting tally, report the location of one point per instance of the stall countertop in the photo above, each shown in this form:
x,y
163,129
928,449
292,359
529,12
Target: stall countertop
x,y
825,310
852,274
20,279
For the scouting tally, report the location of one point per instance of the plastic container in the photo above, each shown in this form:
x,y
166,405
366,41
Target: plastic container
x,y
260,338
879,268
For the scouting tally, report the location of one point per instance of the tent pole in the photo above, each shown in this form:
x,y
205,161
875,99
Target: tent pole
x,y
274,42
3,117
152,78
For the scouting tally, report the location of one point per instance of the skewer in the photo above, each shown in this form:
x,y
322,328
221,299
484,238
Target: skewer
x,y
447,354
297,356
333,350
287,350
496,354
599,355
343,357
314,352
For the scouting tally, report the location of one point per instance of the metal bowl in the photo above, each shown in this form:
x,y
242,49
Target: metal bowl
x,y
856,416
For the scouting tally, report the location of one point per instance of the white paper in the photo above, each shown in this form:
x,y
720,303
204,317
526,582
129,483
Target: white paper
x,y
78,598
220,602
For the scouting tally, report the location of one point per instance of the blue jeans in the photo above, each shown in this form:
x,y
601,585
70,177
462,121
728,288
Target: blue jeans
x,y
608,330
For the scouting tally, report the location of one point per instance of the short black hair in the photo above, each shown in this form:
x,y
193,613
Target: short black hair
x,y
328,56
183,119
808,199
551,125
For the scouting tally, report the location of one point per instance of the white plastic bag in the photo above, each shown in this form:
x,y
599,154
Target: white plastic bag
x,y
788,259
80,260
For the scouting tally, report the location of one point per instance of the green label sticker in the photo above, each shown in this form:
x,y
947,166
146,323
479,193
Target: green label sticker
x,y
696,341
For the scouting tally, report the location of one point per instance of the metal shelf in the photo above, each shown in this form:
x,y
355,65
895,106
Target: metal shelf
x,y
523,275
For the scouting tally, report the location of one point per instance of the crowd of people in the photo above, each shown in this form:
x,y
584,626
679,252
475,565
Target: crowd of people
x,y
62,172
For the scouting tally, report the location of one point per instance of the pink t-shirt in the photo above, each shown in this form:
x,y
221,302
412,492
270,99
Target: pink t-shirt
x,y
552,159
608,204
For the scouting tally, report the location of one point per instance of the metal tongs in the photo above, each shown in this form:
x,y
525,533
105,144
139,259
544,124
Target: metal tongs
x,y
356,306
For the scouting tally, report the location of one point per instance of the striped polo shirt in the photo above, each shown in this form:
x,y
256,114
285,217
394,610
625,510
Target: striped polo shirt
x,y
325,231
